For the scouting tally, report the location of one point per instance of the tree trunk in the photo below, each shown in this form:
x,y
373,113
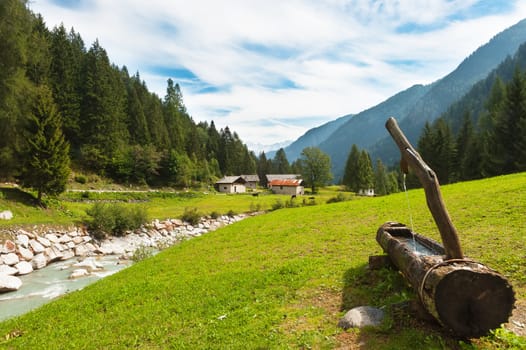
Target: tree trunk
x,y
464,296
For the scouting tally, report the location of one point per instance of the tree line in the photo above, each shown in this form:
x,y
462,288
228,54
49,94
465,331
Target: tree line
x,y
489,143
64,106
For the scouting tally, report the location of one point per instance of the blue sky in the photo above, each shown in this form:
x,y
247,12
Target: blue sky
x,y
272,69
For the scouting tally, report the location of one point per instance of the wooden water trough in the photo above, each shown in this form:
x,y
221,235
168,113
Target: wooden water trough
x,y
466,297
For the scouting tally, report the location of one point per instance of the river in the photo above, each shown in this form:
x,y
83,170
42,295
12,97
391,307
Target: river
x,y
44,285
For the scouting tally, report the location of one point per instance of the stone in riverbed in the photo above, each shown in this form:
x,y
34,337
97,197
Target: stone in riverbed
x,y
7,270
36,246
24,268
25,253
10,259
78,273
89,264
9,283
9,246
22,240
39,261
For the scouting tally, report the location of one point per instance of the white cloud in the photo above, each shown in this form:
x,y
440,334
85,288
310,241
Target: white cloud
x,y
341,55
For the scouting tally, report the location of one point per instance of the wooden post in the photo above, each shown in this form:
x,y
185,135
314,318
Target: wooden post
x,y
429,180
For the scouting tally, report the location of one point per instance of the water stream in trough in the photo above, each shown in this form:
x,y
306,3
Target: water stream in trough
x,y
410,213
42,286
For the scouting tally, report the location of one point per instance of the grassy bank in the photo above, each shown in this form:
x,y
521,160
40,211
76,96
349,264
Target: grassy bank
x,y
283,280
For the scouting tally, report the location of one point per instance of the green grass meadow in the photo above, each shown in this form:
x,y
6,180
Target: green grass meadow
x,y
282,280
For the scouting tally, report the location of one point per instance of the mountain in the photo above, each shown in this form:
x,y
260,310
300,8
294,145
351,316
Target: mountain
x,y
257,148
312,138
367,127
416,105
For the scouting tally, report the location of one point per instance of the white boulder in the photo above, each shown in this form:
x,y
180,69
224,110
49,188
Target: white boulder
x,y
6,215
9,283
10,259
39,261
7,270
36,246
78,273
24,267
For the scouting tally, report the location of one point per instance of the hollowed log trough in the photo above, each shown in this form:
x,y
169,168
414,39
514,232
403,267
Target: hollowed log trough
x,y
465,296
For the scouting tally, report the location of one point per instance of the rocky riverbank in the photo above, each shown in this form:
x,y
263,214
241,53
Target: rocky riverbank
x,y
27,251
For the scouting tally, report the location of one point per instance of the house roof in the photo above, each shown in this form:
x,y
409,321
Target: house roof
x,y
287,182
251,178
271,177
231,180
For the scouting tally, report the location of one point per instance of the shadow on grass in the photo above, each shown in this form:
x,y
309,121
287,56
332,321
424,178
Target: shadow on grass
x,y
17,195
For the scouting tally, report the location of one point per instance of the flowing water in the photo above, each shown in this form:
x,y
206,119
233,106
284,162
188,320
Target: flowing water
x,y
410,214
44,285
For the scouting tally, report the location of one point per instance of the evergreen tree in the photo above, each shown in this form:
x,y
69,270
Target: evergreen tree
x,y
509,121
316,167
365,172
280,163
380,179
46,167
350,176
103,126
15,29
263,168
490,148
67,53
173,108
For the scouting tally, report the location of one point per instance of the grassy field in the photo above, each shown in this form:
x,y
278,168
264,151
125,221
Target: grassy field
x,y
70,208
282,280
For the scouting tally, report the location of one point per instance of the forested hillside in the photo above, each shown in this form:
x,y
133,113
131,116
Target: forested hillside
x,y
484,133
113,125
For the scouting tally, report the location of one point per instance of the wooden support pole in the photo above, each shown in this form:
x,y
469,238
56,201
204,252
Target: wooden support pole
x,y
429,180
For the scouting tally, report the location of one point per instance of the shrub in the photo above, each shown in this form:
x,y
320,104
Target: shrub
x,y
255,207
278,204
214,215
340,197
114,219
81,179
191,215
231,213
141,253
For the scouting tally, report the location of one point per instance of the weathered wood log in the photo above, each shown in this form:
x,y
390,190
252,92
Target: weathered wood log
x,y
464,296
429,180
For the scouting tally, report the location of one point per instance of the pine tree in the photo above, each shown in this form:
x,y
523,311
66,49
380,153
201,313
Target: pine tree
x,y
67,53
365,172
380,179
46,167
15,29
280,163
263,168
510,122
350,176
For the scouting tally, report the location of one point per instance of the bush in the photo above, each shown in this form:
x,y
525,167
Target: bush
x,y
340,197
81,179
255,207
191,215
278,205
214,215
141,253
231,213
114,219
